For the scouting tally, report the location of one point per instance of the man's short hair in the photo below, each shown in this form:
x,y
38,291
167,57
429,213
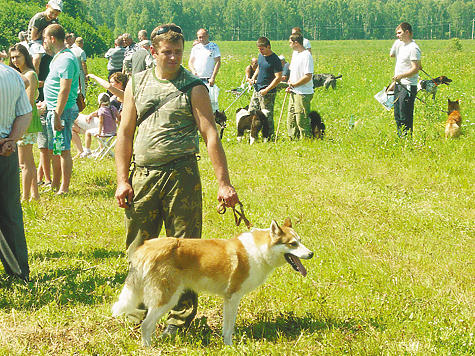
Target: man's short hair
x,y
79,40
126,35
69,35
203,29
405,27
23,35
142,33
263,42
297,30
56,31
170,36
119,41
297,37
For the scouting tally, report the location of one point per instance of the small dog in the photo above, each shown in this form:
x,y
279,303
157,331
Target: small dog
x,y
454,121
221,119
317,125
325,79
430,86
162,268
254,122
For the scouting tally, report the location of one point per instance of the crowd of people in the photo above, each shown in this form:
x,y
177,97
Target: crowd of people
x,y
161,111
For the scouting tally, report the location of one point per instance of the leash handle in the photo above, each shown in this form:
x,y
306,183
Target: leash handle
x,y
238,215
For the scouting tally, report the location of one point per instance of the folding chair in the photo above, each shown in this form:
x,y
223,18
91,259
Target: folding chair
x,y
106,144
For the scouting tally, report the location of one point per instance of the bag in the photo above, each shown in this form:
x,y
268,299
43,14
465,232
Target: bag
x,y
386,98
35,124
81,103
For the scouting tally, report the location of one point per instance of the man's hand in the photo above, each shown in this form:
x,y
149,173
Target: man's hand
x,y
211,82
124,195
263,92
7,146
228,194
57,122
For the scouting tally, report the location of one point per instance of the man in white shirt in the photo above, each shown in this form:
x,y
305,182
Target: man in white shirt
x,y
300,89
204,62
408,63
306,42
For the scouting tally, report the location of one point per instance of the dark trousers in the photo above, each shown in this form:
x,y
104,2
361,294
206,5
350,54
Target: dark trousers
x,y
11,218
404,108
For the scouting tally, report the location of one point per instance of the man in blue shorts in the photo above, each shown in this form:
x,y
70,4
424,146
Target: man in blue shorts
x,y
60,91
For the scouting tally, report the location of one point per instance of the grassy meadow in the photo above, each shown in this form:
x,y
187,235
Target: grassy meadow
x,y
391,222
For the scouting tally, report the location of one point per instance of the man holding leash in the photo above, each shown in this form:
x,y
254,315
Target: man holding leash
x,y
205,61
408,63
167,105
266,78
15,117
300,88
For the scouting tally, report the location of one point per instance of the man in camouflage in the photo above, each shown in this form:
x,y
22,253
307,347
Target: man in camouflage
x,y
167,105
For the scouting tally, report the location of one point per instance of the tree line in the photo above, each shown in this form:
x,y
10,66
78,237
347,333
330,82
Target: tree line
x,y
244,20
99,21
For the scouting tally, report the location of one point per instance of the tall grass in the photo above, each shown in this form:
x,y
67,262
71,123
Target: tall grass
x,y
390,222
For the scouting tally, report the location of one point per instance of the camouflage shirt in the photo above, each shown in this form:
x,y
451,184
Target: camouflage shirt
x,y
170,132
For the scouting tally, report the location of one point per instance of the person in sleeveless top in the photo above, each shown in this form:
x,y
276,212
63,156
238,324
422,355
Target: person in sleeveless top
x,y
167,105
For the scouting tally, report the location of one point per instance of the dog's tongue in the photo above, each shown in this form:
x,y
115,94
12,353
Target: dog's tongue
x,y
299,265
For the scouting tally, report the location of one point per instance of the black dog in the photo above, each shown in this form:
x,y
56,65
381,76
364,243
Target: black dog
x,y
318,127
430,85
254,122
325,79
220,118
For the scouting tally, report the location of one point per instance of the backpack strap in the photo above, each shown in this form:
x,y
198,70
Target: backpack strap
x,y
158,104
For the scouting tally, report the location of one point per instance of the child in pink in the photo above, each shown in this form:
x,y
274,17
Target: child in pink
x,y
109,117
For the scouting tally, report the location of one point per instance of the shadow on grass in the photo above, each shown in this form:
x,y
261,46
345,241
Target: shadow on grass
x,y
275,328
85,278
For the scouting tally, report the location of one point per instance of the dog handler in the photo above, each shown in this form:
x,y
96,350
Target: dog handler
x,y
300,89
167,105
408,63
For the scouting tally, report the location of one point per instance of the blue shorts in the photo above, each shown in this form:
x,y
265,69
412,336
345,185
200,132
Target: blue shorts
x,y
68,116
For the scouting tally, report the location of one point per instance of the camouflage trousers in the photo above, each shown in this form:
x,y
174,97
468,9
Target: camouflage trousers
x,y
298,122
168,195
260,102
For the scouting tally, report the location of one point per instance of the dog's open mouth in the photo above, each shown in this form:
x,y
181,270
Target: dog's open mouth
x,y
296,264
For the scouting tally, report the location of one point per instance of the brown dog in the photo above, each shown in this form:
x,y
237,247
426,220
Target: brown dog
x,y
454,121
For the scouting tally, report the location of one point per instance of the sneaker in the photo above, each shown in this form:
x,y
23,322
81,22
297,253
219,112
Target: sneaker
x,y
85,154
169,332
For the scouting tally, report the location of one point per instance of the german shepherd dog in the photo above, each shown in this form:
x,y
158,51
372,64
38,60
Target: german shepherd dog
x,y
162,268
454,121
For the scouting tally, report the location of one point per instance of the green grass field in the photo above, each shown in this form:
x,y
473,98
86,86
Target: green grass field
x,y
391,222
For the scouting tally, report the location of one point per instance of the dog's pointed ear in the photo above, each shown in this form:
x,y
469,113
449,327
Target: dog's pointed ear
x,y
275,230
287,222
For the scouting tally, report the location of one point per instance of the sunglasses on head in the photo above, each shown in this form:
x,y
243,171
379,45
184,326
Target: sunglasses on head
x,y
165,29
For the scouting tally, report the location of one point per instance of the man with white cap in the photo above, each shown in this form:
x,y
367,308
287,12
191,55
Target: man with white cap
x,y
36,26
142,59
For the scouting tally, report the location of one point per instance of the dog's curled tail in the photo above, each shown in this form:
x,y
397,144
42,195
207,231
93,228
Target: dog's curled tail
x,y
129,299
452,130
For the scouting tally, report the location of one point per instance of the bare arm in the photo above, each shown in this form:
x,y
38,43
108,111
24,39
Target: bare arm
x,y
32,87
304,80
108,86
35,34
273,84
217,65
415,66
124,148
191,61
204,119
64,89
84,67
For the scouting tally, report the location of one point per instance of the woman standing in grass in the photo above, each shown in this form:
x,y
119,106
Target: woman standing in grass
x,y
21,60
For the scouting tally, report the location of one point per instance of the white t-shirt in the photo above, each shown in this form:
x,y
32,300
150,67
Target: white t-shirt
x,y
405,55
306,43
204,56
395,48
301,64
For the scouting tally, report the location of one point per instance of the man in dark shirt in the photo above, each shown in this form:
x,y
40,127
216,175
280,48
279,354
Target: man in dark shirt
x,y
266,78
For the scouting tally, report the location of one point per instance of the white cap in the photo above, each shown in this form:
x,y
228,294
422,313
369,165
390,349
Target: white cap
x,y
102,98
144,43
56,4
281,57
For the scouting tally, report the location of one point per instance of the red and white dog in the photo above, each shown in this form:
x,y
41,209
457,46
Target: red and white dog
x,y
162,268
